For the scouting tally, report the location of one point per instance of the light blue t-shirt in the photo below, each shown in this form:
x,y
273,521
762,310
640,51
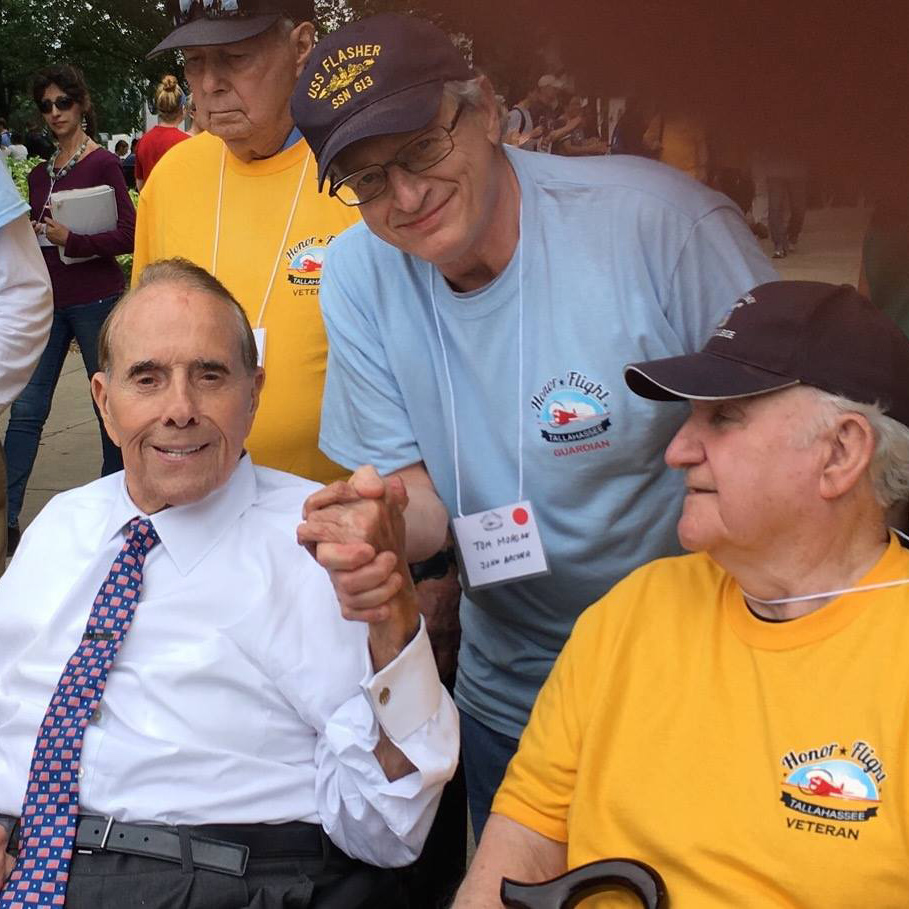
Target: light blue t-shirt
x,y
624,259
12,205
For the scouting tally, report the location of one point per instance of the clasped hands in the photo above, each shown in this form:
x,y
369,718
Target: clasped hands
x,y
355,530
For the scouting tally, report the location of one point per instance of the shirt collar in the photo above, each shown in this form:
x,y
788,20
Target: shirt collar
x,y
292,139
188,532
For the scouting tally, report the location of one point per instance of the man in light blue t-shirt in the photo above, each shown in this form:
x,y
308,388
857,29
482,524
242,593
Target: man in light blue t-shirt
x,y
479,322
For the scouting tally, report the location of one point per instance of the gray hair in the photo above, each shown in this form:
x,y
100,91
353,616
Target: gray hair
x,y
470,93
889,467
185,274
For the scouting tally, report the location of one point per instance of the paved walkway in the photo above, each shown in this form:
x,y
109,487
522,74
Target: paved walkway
x,y
70,452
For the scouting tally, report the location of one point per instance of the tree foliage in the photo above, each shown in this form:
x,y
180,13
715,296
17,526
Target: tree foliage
x,y
107,39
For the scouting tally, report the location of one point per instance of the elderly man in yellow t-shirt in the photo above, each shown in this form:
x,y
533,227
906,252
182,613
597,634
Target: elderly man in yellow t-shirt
x,y
736,718
241,200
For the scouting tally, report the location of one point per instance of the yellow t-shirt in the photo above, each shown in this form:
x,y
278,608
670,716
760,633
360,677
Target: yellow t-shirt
x,y
176,217
753,764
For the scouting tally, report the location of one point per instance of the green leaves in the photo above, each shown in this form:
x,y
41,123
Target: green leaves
x,y
107,39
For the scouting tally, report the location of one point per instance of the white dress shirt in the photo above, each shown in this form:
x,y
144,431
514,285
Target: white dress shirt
x,y
26,300
240,694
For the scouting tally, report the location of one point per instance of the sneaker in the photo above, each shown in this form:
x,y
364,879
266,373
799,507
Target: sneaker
x,y
12,538
792,244
779,254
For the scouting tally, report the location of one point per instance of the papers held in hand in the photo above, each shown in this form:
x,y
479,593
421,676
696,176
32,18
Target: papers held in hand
x,y
92,210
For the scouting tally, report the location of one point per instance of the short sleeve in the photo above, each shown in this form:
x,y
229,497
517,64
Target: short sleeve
x,y
12,205
719,261
364,417
540,781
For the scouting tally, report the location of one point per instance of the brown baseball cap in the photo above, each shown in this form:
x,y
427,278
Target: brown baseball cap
x,y
203,22
790,333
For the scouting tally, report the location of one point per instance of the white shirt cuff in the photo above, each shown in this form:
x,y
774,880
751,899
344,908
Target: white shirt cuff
x,y
405,694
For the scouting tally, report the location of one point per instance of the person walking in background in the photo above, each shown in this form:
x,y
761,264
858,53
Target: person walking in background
x,y
787,194
170,103
26,308
84,291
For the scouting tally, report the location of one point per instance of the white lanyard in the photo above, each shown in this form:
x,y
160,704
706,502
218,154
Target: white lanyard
x,y
451,397
832,593
281,248
829,593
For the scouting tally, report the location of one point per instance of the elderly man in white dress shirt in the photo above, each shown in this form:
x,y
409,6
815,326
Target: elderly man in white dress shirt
x,y
249,740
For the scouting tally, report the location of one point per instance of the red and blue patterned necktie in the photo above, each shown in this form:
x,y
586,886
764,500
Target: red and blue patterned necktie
x,y
50,811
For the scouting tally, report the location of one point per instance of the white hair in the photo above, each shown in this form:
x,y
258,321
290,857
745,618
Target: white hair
x,y
889,467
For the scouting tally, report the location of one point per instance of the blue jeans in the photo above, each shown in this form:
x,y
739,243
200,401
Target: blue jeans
x,y
30,410
485,754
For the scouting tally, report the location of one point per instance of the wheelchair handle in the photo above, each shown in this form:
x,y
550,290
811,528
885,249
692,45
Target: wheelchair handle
x,y
567,890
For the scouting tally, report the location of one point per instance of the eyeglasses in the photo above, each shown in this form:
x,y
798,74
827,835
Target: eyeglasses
x,y
421,153
61,103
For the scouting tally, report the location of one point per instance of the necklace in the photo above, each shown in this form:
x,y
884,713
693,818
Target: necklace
x,y
73,161
60,174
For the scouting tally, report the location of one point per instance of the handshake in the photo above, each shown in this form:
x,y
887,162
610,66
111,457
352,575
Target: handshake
x,y
355,530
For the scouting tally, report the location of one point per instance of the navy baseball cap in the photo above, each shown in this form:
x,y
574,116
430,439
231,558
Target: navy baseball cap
x,y
203,22
789,333
378,76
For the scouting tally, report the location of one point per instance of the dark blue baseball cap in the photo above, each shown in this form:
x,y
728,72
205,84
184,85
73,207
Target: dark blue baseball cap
x,y
787,333
198,23
375,77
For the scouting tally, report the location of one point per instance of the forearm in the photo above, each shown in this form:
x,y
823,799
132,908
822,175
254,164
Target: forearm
x,y
508,849
360,796
425,517
388,641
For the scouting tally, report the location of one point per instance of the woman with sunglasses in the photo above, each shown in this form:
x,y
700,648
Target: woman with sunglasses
x,y
84,292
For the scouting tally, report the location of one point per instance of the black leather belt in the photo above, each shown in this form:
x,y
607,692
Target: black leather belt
x,y
99,834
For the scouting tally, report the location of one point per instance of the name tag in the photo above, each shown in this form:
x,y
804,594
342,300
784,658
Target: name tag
x,y
259,335
499,546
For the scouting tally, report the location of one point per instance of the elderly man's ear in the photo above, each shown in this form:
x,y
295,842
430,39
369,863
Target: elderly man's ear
x,y
303,38
99,393
850,449
492,114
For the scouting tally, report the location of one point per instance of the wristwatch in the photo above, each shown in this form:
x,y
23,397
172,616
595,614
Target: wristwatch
x,y
435,566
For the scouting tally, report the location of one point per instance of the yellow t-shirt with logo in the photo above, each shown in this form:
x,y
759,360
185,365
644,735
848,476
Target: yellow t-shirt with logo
x,y
753,764
177,215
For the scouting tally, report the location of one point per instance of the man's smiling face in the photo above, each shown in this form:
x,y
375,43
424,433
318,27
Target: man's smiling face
x,y
438,215
178,398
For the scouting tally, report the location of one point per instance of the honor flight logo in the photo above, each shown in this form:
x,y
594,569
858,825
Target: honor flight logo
x,y
572,410
344,73
832,789
304,264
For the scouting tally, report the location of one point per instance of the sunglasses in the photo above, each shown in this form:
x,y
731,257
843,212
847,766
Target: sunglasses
x,y
61,103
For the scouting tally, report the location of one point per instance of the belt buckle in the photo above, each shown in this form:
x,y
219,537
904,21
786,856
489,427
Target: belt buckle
x,y
104,838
